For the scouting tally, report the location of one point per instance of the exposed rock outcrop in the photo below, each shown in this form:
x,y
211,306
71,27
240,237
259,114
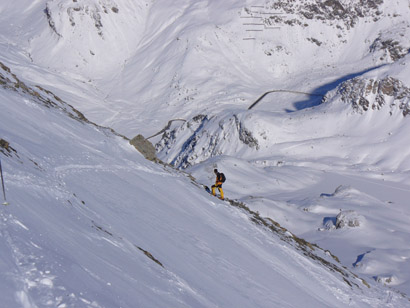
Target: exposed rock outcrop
x,y
77,11
203,137
144,147
370,94
347,12
348,218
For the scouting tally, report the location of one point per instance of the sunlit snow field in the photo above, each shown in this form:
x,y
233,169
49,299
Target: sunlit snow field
x,y
91,223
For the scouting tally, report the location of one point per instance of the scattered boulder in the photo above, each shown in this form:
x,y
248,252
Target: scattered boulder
x,y
144,147
348,218
387,280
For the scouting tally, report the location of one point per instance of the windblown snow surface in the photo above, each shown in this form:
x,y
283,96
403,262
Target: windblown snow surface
x,y
317,170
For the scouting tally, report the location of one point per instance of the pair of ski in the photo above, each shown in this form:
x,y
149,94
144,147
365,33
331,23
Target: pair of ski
x,y
210,192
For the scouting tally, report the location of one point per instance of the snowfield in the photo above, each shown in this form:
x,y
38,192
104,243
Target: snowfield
x,y
317,170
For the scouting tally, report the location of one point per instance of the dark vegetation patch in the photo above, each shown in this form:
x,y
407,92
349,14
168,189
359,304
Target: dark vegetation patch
x,y
6,148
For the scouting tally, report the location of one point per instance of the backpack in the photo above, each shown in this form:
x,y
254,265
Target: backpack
x,y
222,177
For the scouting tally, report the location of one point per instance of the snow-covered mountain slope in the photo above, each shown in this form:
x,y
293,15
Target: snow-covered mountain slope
x,y
323,152
281,165
103,34
211,65
91,223
285,160
141,63
375,105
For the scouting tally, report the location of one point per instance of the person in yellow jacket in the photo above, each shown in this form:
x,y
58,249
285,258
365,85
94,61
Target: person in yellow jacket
x,y
220,178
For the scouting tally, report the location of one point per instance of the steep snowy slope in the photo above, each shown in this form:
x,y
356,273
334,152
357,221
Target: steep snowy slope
x,y
100,35
375,105
281,164
210,65
133,67
285,167
91,223
285,160
141,63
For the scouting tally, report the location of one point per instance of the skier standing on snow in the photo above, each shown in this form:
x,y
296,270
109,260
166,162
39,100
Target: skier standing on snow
x,y
220,178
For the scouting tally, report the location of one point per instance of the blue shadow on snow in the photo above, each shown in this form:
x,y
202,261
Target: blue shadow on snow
x,y
315,98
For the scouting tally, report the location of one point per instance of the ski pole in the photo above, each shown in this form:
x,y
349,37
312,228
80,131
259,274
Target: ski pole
x,y
2,184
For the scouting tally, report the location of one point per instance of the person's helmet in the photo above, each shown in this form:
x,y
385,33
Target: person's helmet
x,y
215,170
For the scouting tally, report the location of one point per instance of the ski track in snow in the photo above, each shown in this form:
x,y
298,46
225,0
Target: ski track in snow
x,y
33,273
75,168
